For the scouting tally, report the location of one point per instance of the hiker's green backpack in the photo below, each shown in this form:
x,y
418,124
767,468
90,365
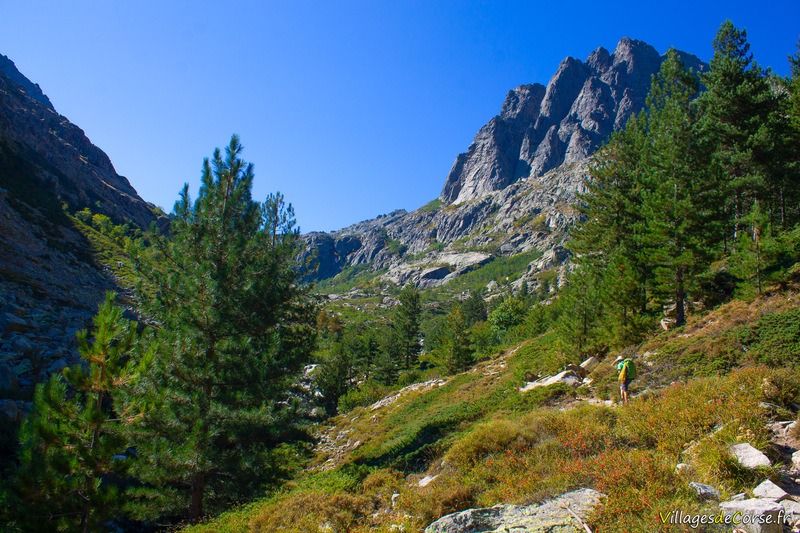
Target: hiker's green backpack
x,y
630,367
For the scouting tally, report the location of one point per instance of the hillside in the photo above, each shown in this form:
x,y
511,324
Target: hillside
x,y
475,440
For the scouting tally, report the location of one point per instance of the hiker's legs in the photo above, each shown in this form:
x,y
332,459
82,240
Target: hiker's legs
x,y
623,392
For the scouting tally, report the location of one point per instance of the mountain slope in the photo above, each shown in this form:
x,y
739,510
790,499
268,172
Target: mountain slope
x,y
514,188
478,439
50,283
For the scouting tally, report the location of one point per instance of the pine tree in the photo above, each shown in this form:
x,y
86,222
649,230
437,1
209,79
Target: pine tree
x,y
231,331
609,241
474,308
738,110
69,440
673,200
458,350
407,326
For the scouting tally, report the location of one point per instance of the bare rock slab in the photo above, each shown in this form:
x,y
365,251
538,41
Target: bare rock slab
x,y
756,515
768,489
563,514
748,456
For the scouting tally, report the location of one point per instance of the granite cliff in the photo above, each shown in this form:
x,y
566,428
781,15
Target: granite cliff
x,y
514,188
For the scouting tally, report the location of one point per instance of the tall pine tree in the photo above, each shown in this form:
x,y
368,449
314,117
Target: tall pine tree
x,y
407,326
231,330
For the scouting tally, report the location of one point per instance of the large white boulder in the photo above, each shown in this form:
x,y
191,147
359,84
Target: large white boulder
x,y
568,377
590,364
768,489
748,456
564,514
755,515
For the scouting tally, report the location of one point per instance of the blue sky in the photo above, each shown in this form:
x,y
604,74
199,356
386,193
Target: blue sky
x,y
351,109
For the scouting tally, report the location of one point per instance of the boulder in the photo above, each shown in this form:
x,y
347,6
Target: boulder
x,y
756,515
683,468
590,364
564,514
748,456
768,489
796,460
704,492
792,509
568,377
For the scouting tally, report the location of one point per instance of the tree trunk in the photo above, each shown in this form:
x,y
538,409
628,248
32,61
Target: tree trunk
x,y
680,298
196,505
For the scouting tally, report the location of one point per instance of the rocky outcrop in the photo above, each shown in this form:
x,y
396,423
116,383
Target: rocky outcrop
x,y
565,514
49,282
432,245
540,128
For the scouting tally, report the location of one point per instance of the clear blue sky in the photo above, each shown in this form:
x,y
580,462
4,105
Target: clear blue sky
x,y
351,109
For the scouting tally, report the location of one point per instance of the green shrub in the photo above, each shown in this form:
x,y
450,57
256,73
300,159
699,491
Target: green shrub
x,y
775,339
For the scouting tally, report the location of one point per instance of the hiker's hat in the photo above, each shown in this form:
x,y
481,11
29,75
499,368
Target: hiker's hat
x,y
618,359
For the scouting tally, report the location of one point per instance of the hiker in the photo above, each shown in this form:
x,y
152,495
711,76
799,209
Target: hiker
x,y
627,371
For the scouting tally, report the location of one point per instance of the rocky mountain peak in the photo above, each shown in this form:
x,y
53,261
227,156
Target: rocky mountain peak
x,y
582,104
23,84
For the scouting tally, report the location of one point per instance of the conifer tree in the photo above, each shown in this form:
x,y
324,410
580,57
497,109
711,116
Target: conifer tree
x,y
407,326
457,347
738,107
674,205
474,308
231,331
69,440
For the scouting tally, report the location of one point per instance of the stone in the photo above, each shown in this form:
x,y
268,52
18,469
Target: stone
x,y
748,456
395,497
796,460
424,482
567,377
9,409
755,512
565,513
590,364
704,492
683,468
792,509
739,497
768,489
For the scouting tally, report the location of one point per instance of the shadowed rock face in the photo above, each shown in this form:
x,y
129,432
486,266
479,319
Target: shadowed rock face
x,y
540,128
513,190
49,283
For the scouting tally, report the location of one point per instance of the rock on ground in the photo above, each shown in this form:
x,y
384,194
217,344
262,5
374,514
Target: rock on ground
x,y
748,456
552,516
704,492
567,377
756,512
768,489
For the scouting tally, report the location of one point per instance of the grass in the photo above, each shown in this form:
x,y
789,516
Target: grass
x,y
487,443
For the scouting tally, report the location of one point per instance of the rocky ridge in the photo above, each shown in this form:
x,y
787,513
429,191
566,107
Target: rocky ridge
x,y
515,187
49,282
